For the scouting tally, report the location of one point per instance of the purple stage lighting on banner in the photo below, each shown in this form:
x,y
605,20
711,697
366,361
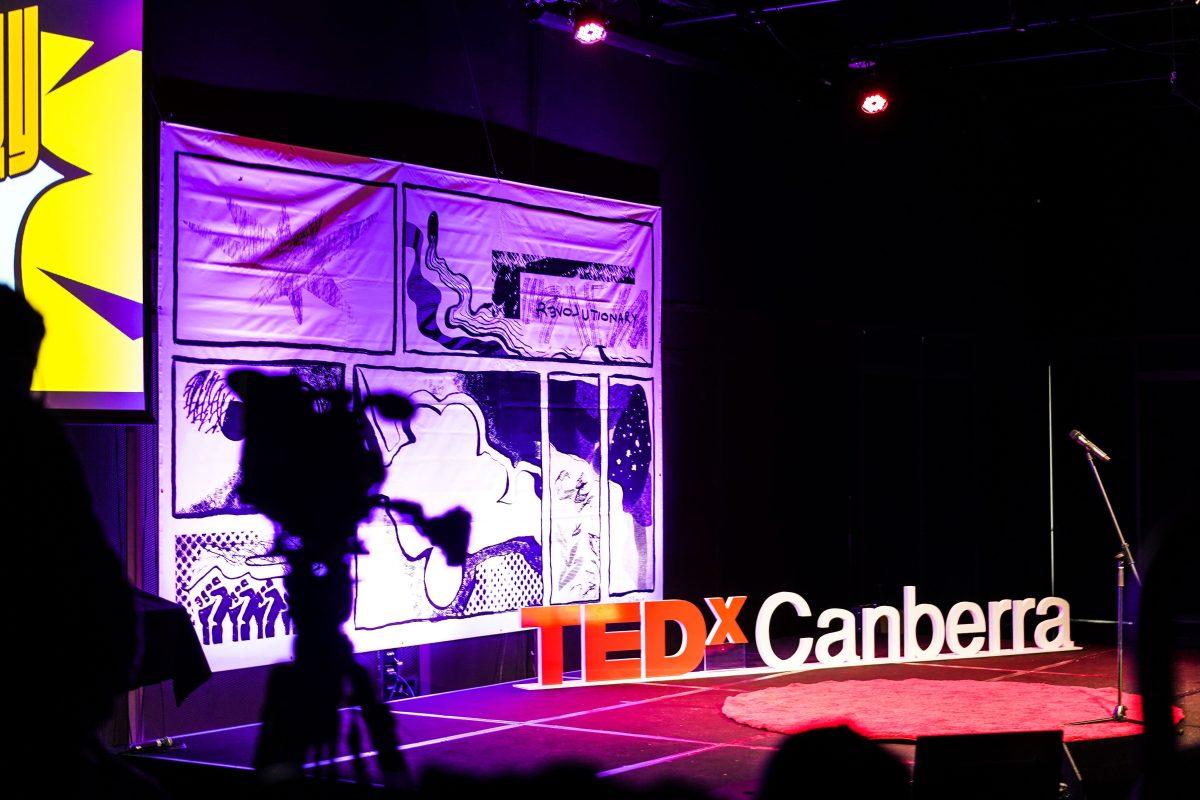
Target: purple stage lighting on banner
x,y
523,324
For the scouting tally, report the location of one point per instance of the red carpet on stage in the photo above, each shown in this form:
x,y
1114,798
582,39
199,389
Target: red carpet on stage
x,y
884,709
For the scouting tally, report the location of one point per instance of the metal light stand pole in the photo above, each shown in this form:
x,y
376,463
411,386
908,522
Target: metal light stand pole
x,y
1119,710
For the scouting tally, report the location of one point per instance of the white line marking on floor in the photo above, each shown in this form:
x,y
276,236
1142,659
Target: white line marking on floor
x,y
412,746
1031,671
616,706
458,717
203,763
506,726
1010,671
655,761
218,730
651,736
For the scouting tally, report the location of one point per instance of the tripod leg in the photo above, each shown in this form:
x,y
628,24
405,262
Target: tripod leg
x,y
380,725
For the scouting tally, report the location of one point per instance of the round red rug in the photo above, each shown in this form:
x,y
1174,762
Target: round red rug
x,y
882,709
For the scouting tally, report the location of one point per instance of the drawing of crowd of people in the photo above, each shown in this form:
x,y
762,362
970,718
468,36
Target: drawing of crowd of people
x,y
238,609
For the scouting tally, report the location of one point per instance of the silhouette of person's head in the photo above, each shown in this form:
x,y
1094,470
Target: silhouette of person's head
x,y
22,331
832,762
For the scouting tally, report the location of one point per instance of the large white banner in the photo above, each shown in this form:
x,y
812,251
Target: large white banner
x,y
523,324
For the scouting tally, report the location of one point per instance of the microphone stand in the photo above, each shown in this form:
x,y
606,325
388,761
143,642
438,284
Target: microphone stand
x,y
1112,514
1119,712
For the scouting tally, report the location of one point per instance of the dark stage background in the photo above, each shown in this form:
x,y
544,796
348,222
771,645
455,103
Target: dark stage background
x,y
859,314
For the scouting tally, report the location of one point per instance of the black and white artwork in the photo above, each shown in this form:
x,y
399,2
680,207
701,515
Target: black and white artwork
x,y
488,278
266,255
631,482
475,443
521,322
574,487
206,418
231,586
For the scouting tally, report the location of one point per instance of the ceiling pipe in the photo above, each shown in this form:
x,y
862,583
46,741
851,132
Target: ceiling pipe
x,y
632,44
681,23
1028,26
1035,58
937,37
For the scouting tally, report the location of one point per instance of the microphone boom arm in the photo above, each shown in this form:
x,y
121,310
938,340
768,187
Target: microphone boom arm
x,y
1113,515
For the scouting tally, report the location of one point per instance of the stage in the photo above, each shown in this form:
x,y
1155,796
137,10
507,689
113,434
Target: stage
x,y
648,733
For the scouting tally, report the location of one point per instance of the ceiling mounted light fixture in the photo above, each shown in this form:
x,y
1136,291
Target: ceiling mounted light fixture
x,y
875,102
590,26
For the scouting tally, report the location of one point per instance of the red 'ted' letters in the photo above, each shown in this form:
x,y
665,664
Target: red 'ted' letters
x,y
656,614
598,642
653,660
550,621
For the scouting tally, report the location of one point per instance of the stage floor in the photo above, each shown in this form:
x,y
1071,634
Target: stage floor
x,y
652,732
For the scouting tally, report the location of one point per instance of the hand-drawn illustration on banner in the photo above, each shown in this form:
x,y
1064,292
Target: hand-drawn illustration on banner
x,y
491,278
520,323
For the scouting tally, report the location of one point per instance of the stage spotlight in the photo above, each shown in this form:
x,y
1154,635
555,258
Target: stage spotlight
x,y
590,25
874,102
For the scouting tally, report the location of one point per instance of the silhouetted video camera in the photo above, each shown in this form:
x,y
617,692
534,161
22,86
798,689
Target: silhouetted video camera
x,y
311,462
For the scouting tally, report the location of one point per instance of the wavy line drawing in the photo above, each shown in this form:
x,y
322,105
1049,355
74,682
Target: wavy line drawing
x,y
465,443
521,555
490,327
428,401
493,400
486,320
525,546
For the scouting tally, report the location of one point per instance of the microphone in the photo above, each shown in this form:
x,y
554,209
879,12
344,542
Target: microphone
x,y
1089,445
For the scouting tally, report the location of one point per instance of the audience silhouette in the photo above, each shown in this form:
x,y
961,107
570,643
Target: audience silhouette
x,y
1168,594
833,762
59,555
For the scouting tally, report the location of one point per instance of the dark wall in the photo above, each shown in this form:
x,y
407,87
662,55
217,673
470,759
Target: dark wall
x,y
859,316
103,450
1011,236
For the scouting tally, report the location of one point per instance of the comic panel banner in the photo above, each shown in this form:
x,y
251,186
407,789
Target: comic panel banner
x,y
521,324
